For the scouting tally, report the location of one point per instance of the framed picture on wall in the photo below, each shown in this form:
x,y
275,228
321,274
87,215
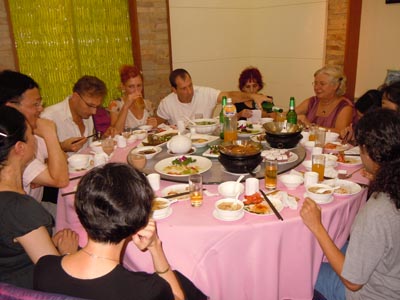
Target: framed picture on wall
x,y
392,1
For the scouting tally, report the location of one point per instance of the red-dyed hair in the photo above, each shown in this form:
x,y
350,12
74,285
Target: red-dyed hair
x,y
250,74
128,71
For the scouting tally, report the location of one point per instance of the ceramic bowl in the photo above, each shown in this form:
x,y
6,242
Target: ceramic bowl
x,y
160,207
146,127
291,181
309,145
140,134
307,164
330,160
228,208
331,137
205,126
148,151
229,189
96,147
79,161
320,198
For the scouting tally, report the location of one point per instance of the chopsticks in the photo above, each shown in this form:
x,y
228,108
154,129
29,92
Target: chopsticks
x,y
345,138
74,178
69,193
277,214
178,195
89,136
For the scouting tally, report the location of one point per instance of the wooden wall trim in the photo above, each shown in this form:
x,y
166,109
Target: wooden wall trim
x,y
136,50
352,44
169,36
10,26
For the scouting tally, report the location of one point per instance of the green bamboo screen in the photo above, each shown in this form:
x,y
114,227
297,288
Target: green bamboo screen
x,y
58,41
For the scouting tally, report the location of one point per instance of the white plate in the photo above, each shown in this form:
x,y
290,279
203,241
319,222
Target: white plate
x,y
339,147
351,161
292,157
167,214
176,189
204,164
257,138
277,203
249,134
207,137
158,149
175,132
88,167
217,216
208,153
191,151
348,187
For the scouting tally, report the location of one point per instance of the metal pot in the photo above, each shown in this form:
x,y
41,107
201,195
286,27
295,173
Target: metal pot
x,y
279,136
240,156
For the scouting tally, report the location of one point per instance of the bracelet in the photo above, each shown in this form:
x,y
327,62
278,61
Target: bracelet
x,y
163,272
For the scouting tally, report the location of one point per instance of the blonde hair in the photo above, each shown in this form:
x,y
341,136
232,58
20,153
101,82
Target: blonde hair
x,y
337,76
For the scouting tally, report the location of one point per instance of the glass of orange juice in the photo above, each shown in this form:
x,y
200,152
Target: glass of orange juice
x,y
318,165
196,189
271,174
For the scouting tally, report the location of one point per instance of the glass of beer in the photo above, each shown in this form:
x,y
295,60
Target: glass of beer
x,y
320,138
196,189
139,103
312,130
271,174
318,165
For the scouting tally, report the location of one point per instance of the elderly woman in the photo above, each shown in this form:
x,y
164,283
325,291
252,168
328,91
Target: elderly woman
x,y
328,108
370,268
250,81
113,203
131,110
25,225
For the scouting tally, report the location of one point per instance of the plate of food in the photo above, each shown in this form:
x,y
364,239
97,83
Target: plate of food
x,y
349,161
180,166
212,152
176,189
201,140
346,187
248,129
159,139
336,147
148,151
256,205
282,156
259,138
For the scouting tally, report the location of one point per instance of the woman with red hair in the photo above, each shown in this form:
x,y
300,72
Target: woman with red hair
x,y
131,110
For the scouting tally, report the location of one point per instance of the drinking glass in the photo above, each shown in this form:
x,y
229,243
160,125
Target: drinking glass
x,y
108,145
320,138
318,165
196,189
139,103
137,160
271,174
312,130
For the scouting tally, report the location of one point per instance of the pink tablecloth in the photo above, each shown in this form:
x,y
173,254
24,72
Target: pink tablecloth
x,y
257,257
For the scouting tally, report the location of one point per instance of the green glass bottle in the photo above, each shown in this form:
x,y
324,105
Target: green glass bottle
x,y
291,116
221,118
269,107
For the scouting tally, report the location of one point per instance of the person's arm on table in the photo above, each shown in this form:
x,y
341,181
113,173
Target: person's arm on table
x,y
73,144
38,243
311,215
56,173
147,238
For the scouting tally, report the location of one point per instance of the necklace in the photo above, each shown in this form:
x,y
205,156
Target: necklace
x,y
97,256
327,105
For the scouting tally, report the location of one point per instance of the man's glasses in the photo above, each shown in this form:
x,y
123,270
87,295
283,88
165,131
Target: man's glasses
x,y
88,104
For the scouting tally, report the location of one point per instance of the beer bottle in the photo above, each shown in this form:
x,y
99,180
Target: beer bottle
x,y
291,116
221,118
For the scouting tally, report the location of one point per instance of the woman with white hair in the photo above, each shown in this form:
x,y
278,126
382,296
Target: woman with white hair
x,y
328,108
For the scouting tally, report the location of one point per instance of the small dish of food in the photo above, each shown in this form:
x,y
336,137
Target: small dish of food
x,y
148,151
228,210
320,193
161,208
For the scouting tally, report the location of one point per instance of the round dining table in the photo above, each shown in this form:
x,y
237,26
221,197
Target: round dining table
x,y
255,257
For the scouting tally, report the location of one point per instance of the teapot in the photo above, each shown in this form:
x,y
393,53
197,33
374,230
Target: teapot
x,y
179,144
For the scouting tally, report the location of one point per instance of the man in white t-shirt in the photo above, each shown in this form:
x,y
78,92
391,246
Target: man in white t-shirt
x,y
187,100
49,168
73,116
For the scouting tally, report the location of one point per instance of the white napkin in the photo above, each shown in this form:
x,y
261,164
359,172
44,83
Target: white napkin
x,y
287,201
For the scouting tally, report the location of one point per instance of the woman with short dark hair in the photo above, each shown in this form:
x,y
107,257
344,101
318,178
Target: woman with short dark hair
x,y
113,203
